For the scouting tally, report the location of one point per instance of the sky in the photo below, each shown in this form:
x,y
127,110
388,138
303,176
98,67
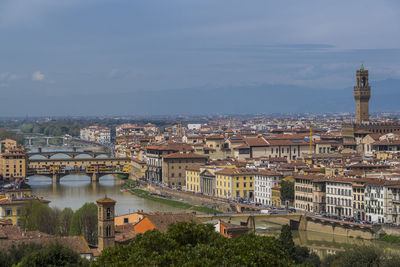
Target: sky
x,y
66,49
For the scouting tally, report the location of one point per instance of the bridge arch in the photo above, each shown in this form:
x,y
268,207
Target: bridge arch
x,y
60,155
37,156
83,155
101,156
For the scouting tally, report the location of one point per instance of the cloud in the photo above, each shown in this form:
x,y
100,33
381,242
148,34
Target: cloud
x,y
38,76
8,76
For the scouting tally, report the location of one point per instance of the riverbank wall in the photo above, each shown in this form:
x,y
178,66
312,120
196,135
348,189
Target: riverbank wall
x,y
190,198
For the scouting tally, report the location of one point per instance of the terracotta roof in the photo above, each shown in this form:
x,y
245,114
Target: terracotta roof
x,y
179,155
256,141
13,235
215,137
193,168
162,220
308,177
241,147
106,200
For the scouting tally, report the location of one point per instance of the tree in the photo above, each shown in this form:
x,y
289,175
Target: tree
x,y
53,255
84,222
14,254
38,216
286,240
188,244
287,190
367,256
64,222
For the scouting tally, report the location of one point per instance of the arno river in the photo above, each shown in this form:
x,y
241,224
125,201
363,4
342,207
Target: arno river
x,y
74,190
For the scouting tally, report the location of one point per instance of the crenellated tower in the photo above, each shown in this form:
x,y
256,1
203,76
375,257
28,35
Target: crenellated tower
x,y
362,94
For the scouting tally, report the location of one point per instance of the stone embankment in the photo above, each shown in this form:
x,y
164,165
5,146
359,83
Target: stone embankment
x,y
191,198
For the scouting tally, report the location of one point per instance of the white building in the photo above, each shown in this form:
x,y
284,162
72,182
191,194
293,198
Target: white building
x,y
264,180
339,197
378,202
96,134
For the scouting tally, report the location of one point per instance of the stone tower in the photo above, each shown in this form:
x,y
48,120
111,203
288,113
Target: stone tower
x,y
362,93
106,228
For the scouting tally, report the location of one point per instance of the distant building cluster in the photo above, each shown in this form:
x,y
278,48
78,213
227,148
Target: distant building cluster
x,y
96,134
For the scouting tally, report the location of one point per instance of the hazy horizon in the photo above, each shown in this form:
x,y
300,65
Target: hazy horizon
x,y
125,57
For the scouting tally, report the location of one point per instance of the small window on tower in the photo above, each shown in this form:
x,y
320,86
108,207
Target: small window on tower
x,y
108,213
364,82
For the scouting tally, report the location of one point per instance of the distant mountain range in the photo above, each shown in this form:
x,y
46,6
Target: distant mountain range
x,y
233,100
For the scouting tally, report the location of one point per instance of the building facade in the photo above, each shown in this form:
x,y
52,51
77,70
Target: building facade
x,y
264,181
175,164
235,184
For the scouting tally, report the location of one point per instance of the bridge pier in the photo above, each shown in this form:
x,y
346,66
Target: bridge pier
x,y
95,177
56,178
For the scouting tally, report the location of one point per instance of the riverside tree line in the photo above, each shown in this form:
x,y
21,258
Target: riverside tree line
x,y
184,244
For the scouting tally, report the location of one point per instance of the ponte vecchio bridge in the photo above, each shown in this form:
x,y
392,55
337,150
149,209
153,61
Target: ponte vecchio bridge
x,y
71,154
93,167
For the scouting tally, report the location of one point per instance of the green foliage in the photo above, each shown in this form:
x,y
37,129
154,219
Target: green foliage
x,y
38,216
15,254
64,222
53,255
301,255
84,222
286,240
390,238
144,194
287,190
187,244
363,256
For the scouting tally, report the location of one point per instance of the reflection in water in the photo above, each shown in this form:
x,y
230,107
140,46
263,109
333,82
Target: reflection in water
x,y
74,190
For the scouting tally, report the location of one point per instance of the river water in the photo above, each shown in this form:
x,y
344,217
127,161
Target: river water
x,y
74,190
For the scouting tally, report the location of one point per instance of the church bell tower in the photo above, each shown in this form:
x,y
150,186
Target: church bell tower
x,y
362,94
106,228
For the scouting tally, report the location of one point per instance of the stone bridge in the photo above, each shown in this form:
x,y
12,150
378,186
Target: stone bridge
x,y
280,219
71,154
302,222
93,167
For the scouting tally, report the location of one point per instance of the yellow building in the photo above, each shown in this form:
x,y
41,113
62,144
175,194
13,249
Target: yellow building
x,y
276,196
235,183
193,179
138,169
13,159
11,203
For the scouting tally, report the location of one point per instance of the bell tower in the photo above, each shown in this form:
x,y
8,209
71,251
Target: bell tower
x,y
362,94
106,228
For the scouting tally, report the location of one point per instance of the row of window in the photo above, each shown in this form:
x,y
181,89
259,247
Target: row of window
x,y
304,189
338,201
339,191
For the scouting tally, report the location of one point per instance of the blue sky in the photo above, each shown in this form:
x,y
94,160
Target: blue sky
x,y
94,47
